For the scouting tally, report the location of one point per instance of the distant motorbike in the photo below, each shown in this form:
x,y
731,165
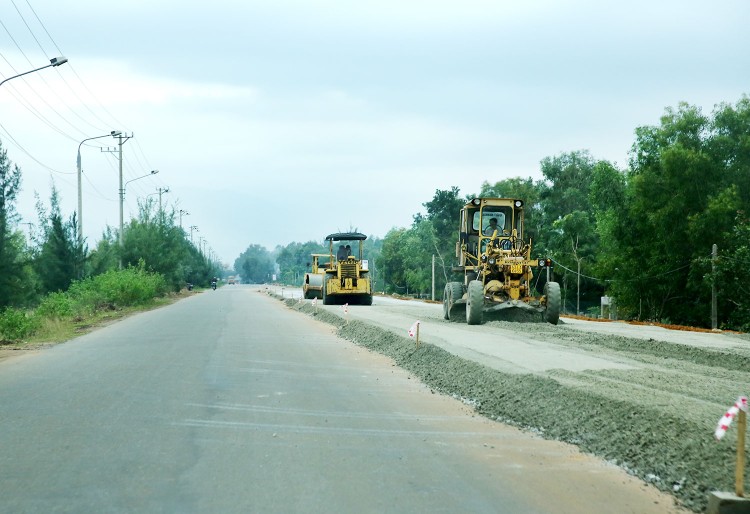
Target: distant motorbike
x,y
213,286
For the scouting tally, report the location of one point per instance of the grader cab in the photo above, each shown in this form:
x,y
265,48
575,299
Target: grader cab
x,y
496,265
347,275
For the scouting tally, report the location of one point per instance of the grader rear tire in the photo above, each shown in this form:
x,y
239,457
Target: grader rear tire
x,y
475,303
552,309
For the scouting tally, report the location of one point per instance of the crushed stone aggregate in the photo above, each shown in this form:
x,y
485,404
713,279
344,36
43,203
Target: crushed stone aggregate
x,y
655,423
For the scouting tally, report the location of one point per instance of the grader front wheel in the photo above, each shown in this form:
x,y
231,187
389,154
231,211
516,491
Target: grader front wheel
x,y
552,309
475,303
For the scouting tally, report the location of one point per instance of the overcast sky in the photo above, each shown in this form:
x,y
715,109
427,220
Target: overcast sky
x,y
286,120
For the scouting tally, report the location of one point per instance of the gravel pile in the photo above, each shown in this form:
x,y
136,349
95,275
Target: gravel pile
x,y
656,422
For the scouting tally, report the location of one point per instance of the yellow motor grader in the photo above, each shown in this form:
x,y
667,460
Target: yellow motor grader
x,y
347,274
496,265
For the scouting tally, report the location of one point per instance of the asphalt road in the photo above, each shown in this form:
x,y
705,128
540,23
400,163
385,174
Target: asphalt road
x,y
229,402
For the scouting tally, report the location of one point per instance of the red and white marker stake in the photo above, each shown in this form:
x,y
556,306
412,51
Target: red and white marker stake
x,y
739,409
726,419
414,331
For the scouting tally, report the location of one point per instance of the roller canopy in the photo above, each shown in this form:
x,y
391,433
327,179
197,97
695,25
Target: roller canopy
x,y
346,236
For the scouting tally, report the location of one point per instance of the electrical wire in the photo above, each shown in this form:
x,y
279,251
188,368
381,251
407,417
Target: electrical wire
x,y
40,163
132,162
41,98
62,77
72,68
610,280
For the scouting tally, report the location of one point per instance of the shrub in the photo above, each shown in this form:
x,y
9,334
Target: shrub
x,y
115,289
16,324
56,305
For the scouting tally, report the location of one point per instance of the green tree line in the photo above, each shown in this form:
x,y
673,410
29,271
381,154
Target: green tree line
x,y
642,234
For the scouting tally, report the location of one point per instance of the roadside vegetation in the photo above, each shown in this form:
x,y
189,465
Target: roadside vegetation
x,y
51,282
640,232
60,315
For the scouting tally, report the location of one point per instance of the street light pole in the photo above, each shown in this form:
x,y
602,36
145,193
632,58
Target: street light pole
x,y
152,172
161,212
183,213
122,193
192,227
56,61
114,133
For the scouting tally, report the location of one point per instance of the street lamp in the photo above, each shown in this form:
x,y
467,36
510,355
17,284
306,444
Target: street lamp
x,y
160,191
183,213
56,61
114,133
122,196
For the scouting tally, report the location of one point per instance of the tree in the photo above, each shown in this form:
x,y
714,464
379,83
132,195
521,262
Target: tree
x,y
255,265
683,192
60,258
294,260
441,235
568,232
733,304
391,261
12,274
105,256
154,238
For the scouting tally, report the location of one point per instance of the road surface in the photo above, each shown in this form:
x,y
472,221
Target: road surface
x,y
229,402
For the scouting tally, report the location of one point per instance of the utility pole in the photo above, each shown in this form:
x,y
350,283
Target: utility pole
x,y
433,277
122,188
714,310
122,139
578,290
192,227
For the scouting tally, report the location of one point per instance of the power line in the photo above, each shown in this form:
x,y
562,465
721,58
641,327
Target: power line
x,y
20,147
42,79
73,70
557,264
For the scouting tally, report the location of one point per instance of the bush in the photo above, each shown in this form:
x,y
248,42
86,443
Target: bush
x,y
56,305
111,290
116,289
16,324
